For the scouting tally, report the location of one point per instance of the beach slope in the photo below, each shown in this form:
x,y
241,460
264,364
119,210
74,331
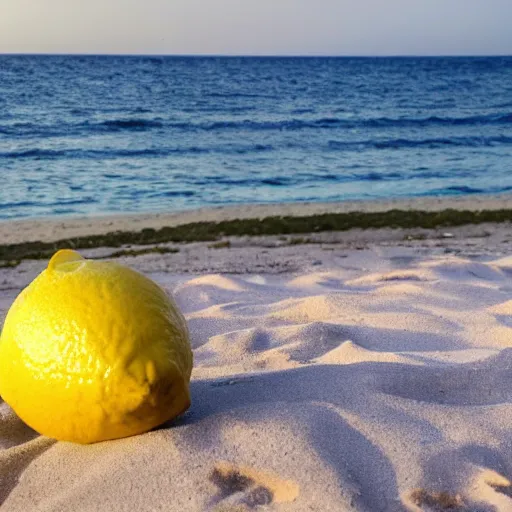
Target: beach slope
x,y
375,379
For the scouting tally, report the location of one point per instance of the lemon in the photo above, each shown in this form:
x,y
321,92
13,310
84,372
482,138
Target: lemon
x,y
92,350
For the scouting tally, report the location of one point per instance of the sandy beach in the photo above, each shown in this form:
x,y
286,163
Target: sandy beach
x,y
365,370
51,229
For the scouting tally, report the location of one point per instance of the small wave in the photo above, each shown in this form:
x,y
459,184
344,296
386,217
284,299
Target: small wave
x,y
405,122
92,110
131,124
56,202
379,176
297,111
373,176
296,179
474,142
207,108
245,182
79,154
49,154
262,147
157,152
141,110
238,95
247,124
172,193
18,129
19,204
244,150
335,122
82,128
71,202
488,119
76,154
332,145
468,190
292,124
464,189
112,176
423,172
278,182
33,153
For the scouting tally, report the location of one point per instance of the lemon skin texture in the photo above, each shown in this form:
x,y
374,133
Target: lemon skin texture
x,y
92,350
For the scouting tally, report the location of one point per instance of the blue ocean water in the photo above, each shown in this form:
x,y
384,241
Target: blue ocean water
x,y
91,134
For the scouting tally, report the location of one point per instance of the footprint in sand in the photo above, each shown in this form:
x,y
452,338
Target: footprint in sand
x,y
422,500
242,489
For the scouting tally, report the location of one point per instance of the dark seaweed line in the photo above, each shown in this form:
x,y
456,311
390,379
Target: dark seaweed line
x,y
212,231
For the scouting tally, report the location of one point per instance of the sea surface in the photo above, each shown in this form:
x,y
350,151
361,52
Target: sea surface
x,y
95,135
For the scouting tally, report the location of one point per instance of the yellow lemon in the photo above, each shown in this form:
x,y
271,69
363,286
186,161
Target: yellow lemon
x,y
92,350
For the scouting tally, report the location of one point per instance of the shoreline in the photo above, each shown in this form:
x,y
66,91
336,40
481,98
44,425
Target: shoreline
x,y
51,229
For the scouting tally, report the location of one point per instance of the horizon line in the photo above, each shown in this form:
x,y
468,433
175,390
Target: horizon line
x,y
234,55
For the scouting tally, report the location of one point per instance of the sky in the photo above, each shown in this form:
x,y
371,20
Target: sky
x,y
257,27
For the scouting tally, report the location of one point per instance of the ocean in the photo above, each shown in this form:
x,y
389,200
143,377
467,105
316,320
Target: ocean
x,y
110,134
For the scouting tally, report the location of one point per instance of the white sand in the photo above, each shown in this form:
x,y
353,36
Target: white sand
x,y
377,379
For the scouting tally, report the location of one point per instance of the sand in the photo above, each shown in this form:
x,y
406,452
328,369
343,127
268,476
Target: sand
x,y
366,371
51,229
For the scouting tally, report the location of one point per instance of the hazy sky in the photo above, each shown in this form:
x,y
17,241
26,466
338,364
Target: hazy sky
x,y
332,27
